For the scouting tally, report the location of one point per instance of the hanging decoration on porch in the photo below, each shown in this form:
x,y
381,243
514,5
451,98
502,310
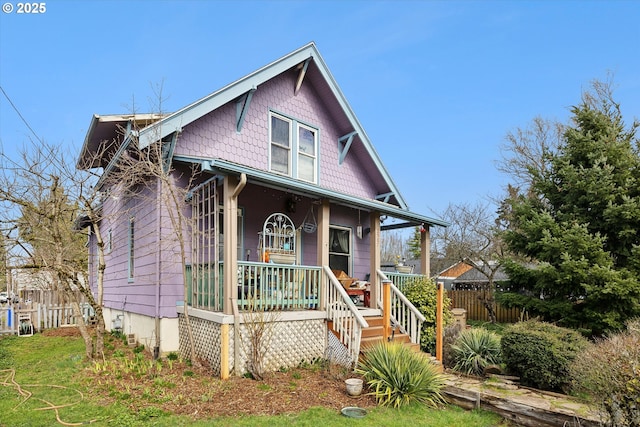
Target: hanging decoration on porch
x,y
359,227
278,239
309,223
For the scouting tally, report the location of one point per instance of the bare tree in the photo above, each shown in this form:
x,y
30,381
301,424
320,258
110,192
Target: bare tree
x,y
393,247
526,152
41,195
146,174
472,238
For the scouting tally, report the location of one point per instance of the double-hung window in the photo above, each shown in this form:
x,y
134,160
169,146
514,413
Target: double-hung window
x,y
293,148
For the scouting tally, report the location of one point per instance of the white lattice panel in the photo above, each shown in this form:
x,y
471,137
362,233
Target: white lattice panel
x,y
292,343
337,352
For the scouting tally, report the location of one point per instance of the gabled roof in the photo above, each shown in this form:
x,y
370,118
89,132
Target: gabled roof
x,y
476,276
176,121
104,127
106,133
311,68
455,270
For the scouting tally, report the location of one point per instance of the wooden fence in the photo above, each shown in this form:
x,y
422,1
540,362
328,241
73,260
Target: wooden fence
x,y
472,302
15,319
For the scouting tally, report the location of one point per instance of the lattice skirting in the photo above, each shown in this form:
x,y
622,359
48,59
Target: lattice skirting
x,y
290,343
337,352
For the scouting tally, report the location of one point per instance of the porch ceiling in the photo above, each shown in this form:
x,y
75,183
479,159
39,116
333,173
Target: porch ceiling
x,y
222,167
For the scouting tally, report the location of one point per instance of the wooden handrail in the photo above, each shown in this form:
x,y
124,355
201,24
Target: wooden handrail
x,y
407,324
347,320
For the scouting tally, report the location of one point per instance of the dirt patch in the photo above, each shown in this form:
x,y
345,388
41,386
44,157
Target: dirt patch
x,y
180,388
62,331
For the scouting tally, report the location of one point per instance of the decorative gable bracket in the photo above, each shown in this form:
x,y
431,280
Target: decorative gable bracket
x,y
344,143
168,147
303,72
385,196
242,106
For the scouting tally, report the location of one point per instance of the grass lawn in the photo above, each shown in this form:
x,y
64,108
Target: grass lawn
x,y
44,378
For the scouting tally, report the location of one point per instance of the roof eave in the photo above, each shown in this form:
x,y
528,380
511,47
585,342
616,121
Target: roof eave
x,y
226,168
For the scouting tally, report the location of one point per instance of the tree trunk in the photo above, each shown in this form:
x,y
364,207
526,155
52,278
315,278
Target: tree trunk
x,y
86,336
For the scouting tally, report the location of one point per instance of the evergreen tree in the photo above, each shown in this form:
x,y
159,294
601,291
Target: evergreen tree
x,y
578,223
414,243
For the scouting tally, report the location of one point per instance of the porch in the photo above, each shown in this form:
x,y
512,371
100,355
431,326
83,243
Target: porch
x,y
269,286
287,284
309,312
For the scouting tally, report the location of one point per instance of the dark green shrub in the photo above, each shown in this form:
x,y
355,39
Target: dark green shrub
x,y
397,375
423,295
609,372
474,349
540,353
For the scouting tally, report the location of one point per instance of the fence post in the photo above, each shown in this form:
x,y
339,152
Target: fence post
x,y
439,320
386,309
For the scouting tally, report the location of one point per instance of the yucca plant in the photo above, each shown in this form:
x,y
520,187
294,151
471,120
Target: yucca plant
x,y
474,349
397,376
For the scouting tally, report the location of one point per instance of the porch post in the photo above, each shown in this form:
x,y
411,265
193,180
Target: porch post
x,y
323,243
374,257
425,254
230,250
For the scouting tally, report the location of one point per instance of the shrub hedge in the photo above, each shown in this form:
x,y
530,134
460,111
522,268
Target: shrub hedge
x,y
423,295
609,372
541,353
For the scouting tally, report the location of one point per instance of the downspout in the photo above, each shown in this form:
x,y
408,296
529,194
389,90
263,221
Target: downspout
x,y
240,186
234,304
156,348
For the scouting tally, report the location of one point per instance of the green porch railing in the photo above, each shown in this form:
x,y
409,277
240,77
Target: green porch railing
x,y
260,286
203,291
400,280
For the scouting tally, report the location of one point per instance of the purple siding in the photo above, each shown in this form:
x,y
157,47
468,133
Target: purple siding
x,y
214,135
141,294
259,202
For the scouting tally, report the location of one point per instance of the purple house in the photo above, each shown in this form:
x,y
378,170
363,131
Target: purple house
x,y
285,198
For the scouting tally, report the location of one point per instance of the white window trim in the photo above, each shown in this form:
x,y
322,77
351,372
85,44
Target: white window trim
x,y
350,253
293,149
130,250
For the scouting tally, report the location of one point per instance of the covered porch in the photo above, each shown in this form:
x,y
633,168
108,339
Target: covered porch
x,y
236,273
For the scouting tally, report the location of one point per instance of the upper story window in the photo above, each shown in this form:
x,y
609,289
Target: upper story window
x,y
293,148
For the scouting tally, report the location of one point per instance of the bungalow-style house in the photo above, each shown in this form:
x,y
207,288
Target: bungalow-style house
x,y
286,197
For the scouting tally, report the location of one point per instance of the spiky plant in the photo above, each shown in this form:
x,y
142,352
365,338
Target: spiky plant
x,y
397,376
474,349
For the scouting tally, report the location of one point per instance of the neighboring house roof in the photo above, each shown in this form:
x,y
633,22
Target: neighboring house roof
x,y
455,270
474,275
461,272
310,67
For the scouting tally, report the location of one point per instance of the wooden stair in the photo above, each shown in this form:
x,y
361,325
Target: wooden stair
x,y
375,334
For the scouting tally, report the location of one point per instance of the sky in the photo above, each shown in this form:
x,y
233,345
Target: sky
x,y
437,85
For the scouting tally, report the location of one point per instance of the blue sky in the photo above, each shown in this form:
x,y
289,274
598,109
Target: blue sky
x,y
437,85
